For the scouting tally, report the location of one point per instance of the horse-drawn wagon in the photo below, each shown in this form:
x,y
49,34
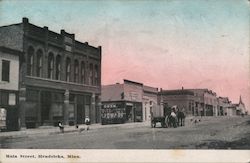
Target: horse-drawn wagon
x,y
157,116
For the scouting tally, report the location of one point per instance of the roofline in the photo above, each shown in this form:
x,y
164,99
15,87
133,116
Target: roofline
x,y
133,82
11,51
11,25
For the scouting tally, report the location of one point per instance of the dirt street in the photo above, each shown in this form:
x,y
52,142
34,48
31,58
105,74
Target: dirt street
x,y
210,133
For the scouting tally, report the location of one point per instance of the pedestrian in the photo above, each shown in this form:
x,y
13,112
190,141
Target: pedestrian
x,y
61,127
87,122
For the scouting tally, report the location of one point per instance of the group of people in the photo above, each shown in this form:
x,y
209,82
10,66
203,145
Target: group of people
x,y
87,123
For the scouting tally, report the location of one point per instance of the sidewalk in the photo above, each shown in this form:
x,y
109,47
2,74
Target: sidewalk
x,y
50,130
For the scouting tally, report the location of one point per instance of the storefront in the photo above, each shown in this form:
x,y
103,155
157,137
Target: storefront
x,y
121,112
49,107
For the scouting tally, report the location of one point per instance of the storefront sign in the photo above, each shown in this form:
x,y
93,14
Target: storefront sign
x,y
12,99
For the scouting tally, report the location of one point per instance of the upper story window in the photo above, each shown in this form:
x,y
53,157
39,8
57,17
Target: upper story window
x,y
76,72
39,63
50,66
30,61
96,75
58,67
82,72
91,74
5,70
68,67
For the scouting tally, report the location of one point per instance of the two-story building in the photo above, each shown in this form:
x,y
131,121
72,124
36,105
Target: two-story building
x,y
9,86
60,78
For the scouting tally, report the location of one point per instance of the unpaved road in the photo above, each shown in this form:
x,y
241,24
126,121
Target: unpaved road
x,y
210,133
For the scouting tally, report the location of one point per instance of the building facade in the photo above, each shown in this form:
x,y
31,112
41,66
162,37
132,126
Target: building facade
x,y
60,78
194,102
149,101
9,86
127,102
125,98
223,106
183,99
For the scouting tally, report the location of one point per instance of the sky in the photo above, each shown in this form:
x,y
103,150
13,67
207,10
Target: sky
x,y
167,44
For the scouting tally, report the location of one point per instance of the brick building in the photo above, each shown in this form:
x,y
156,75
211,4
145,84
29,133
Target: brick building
x,y
184,99
9,78
60,78
195,102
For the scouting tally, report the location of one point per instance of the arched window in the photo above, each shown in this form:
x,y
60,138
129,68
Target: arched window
x,y
58,67
96,75
68,67
30,61
50,66
91,74
76,72
82,72
39,63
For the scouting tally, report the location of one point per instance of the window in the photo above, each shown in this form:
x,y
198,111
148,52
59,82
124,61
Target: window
x,y
39,63
96,75
76,72
91,74
58,67
50,66
5,70
30,61
82,73
68,67
4,98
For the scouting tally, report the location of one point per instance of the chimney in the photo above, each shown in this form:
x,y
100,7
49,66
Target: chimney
x,y
25,20
62,31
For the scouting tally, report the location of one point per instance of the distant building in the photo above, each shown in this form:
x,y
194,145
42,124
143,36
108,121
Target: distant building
x,y
127,102
60,78
184,99
195,102
9,86
238,109
223,106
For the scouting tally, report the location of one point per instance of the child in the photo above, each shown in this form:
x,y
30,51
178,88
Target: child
x,y
87,122
61,127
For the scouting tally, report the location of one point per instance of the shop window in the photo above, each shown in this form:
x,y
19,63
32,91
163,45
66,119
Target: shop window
x,y
5,70
58,97
39,63
82,73
71,97
68,67
50,66
91,74
58,67
30,61
4,98
76,72
32,95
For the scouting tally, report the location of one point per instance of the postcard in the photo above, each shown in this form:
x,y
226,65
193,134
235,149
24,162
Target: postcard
x,y
124,81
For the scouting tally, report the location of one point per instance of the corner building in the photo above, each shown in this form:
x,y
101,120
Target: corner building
x,y
60,78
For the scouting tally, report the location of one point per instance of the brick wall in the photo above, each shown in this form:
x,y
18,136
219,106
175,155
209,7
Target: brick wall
x,y
12,36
